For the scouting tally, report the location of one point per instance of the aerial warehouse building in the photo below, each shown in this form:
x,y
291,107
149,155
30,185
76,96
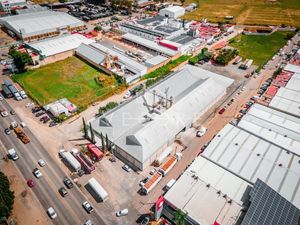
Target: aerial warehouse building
x,y
172,12
135,128
41,25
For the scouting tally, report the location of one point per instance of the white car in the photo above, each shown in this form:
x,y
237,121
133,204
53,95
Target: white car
x,y
1,98
4,113
127,168
127,94
122,212
201,131
87,206
51,212
37,173
42,163
23,124
88,222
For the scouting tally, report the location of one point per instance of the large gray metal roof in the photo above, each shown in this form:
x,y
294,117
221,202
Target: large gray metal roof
x,y
193,90
269,208
35,23
90,53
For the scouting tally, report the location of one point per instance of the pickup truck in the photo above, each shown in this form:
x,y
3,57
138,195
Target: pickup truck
x,y
13,154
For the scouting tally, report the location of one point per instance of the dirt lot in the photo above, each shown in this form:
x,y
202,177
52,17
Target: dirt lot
x,y
26,207
5,39
254,12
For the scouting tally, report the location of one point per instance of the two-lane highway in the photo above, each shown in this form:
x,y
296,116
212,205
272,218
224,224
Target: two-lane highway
x,y
69,209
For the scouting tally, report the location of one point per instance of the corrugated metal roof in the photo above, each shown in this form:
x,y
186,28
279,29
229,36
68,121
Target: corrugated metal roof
x,y
90,53
193,90
292,68
39,22
149,44
155,60
59,44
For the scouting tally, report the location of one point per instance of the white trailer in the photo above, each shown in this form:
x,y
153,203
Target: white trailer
x,y
249,63
98,189
71,160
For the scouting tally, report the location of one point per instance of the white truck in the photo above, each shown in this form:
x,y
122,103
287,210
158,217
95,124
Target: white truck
x,y
23,94
71,160
13,154
98,189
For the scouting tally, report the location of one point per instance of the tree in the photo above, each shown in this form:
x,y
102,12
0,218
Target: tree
x,y
21,59
85,128
97,28
102,141
107,142
92,134
182,1
179,217
6,197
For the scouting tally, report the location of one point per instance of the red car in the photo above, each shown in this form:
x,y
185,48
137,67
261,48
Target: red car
x,y
221,111
30,183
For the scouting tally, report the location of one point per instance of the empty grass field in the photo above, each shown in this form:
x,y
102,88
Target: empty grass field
x,y
252,12
260,48
70,78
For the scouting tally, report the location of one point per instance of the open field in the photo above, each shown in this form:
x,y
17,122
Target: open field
x,y
260,48
70,78
253,12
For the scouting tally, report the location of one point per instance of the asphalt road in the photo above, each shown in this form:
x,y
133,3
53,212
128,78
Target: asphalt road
x,y
69,209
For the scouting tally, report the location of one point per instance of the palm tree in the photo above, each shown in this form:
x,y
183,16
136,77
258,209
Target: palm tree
x,y
179,217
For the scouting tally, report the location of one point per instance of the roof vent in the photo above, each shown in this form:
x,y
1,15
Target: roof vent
x,y
219,135
287,152
208,185
270,129
280,164
230,201
236,144
285,135
225,196
219,192
258,154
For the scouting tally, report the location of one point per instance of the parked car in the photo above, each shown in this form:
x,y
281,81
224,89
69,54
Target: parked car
x,y
7,131
63,192
12,112
87,206
144,181
52,124
42,163
30,183
36,109
126,168
39,114
51,212
68,182
43,118
122,212
80,173
37,173
145,221
46,120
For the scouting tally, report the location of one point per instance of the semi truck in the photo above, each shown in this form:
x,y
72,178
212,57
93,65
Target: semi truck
x,y
12,89
13,154
21,134
98,189
71,161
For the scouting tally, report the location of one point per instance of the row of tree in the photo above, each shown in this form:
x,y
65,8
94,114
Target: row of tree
x,y
6,198
226,55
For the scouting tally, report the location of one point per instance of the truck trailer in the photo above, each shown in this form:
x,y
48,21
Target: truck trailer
x,y
71,161
21,134
98,189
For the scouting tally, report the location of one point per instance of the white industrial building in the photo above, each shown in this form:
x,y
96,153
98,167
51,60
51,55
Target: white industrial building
x,y
41,25
144,127
7,5
278,128
60,44
292,68
172,12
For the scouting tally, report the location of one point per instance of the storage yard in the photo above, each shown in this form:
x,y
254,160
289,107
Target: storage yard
x,y
70,78
258,12
255,47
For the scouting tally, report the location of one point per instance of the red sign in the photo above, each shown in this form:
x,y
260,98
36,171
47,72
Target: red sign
x,y
159,207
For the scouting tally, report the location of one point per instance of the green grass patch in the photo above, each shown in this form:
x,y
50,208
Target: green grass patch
x,y
70,78
260,48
